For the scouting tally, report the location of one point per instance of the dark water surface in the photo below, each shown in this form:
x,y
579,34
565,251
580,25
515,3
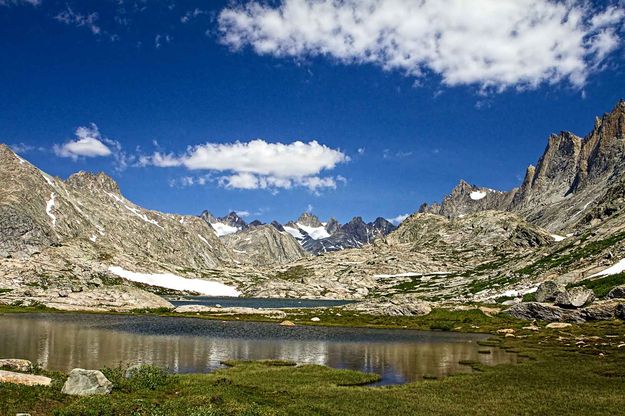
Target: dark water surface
x,y
187,345
227,302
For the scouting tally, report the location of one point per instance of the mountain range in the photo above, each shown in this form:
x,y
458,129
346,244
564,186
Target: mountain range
x,y
314,236
79,243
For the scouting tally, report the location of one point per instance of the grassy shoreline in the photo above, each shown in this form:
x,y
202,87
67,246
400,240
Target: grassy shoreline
x,y
572,371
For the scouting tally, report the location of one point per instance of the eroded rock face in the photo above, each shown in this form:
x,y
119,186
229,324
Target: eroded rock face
x,y
399,305
576,297
548,291
86,383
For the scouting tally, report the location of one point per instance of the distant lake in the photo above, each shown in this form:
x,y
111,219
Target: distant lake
x,y
188,345
227,302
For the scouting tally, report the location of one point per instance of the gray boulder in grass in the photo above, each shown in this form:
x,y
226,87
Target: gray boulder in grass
x,y
86,383
575,297
548,291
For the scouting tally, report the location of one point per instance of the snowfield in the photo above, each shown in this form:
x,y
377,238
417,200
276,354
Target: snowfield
x,y
316,233
477,195
294,232
616,269
171,281
223,229
557,237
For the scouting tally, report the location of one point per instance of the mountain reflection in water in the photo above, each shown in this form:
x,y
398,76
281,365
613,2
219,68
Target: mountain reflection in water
x,y
186,345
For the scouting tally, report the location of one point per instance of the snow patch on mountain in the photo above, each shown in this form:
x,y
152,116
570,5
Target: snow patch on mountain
x,y
171,281
477,195
223,229
294,232
50,207
616,269
316,233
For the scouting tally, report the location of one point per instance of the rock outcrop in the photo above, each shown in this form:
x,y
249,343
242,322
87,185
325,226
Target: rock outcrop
x,y
263,245
568,179
86,383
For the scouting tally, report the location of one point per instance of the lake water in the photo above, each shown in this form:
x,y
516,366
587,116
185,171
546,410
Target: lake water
x,y
188,345
227,302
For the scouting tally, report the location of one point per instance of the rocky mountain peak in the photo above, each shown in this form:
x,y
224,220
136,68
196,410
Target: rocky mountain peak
x,y
233,220
309,220
332,226
383,225
208,217
93,182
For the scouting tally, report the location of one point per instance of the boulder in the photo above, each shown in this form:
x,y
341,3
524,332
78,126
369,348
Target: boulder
x,y
576,297
15,364
86,383
287,323
315,319
617,292
548,290
543,312
600,311
25,379
619,312
558,325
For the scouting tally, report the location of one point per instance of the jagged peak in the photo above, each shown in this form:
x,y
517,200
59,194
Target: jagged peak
x,y
309,220
89,180
208,217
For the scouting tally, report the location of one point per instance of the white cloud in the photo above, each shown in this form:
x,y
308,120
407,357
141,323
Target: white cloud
x,y
19,2
399,219
243,213
258,164
69,17
489,43
88,143
361,151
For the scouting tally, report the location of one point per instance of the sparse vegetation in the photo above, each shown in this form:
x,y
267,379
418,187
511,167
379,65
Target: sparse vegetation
x,y
295,273
602,285
569,254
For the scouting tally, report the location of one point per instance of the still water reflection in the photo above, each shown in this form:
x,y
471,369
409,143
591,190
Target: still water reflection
x,y
63,342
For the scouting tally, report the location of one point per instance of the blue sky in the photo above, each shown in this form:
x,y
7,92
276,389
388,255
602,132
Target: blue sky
x,y
158,93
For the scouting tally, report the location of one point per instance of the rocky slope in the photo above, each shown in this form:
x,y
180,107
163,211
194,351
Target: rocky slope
x,y
567,180
263,245
62,234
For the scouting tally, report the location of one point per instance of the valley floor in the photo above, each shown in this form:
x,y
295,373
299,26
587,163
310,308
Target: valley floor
x,y
576,370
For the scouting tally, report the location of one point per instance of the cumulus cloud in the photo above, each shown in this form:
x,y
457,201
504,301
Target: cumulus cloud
x,y
399,219
493,44
89,142
258,164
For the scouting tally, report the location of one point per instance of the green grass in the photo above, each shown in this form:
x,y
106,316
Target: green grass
x,y
562,379
602,285
567,255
